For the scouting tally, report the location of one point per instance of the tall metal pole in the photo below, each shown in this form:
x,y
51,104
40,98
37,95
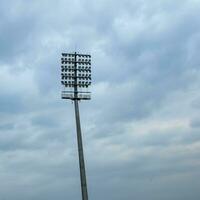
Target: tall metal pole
x,y
80,153
79,140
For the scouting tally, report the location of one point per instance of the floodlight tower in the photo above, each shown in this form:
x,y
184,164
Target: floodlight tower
x,y
76,78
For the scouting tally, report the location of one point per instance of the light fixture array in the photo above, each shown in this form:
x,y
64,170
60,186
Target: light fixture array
x,y
76,70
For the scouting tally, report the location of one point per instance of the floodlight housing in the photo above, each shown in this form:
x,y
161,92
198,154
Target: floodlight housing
x,y
76,75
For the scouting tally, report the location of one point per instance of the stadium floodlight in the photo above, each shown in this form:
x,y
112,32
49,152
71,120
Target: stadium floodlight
x,y
76,79
76,75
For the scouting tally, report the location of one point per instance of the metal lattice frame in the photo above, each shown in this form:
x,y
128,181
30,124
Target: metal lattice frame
x,y
76,75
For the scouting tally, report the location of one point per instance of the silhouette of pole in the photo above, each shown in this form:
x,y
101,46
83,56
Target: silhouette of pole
x,y
80,153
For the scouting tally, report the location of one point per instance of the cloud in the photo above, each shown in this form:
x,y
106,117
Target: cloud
x,y
141,128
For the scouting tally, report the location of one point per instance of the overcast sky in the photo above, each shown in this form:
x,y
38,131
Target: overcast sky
x,y
141,130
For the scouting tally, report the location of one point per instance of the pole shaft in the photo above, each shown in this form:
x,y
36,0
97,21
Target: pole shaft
x,y
80,153
79,139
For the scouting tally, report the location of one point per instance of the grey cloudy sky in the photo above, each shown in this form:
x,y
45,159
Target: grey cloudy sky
x,y
141,128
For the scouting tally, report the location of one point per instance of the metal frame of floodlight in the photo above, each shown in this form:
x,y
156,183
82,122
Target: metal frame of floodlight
x,y
76,75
